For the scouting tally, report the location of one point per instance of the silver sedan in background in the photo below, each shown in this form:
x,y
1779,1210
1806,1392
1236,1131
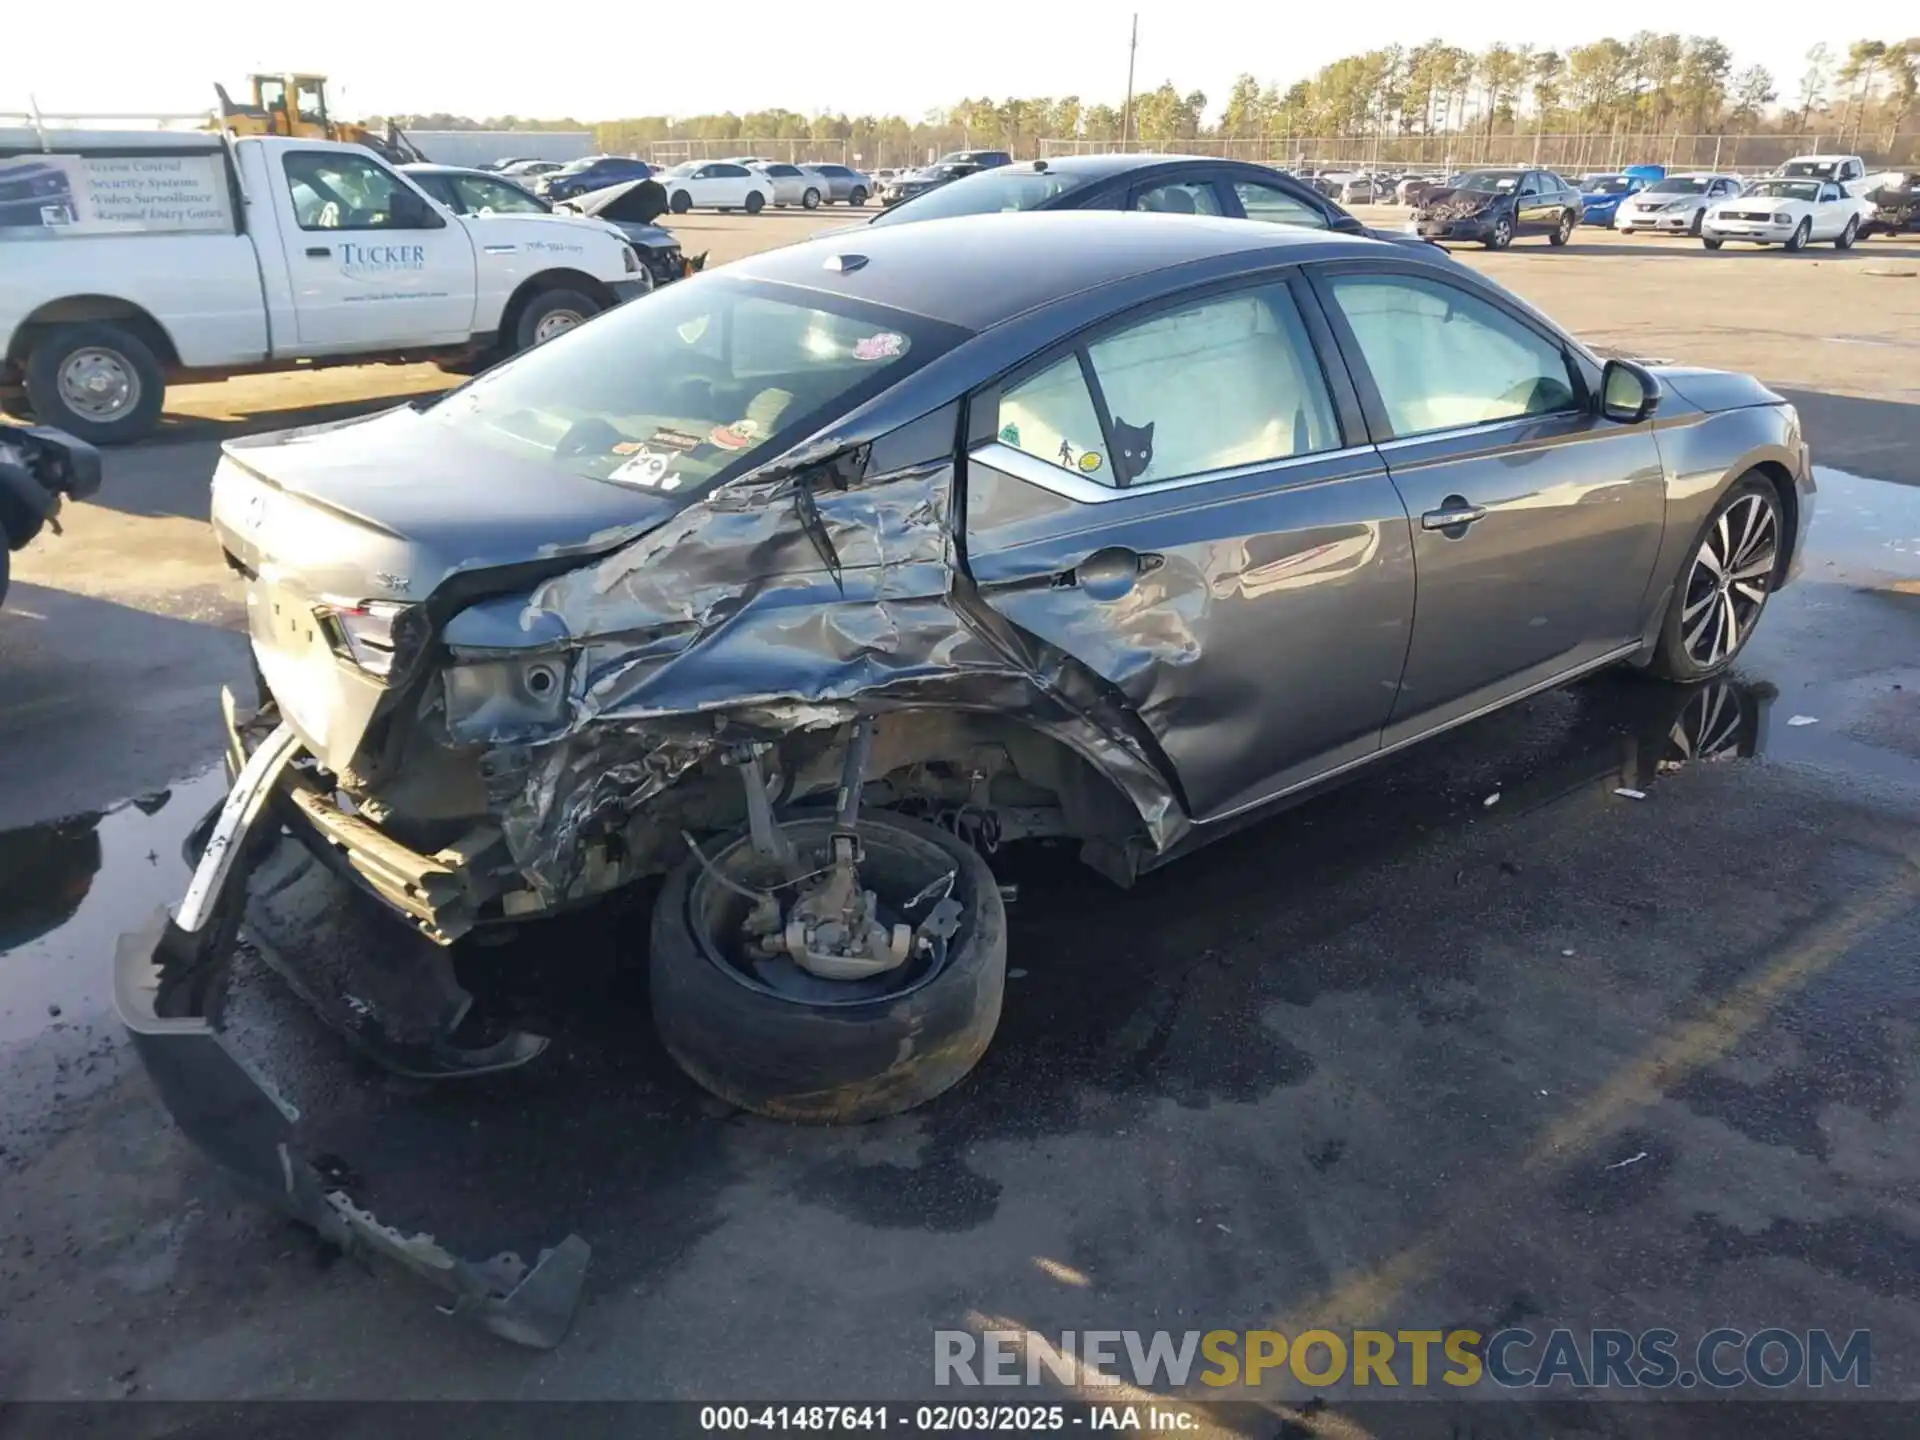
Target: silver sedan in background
x,y
791,184
844,183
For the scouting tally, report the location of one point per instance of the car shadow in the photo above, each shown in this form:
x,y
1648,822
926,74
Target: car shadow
x,y
1879,439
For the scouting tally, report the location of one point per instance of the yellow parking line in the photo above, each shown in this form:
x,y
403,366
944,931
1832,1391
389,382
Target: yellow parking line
x,y
1361,1298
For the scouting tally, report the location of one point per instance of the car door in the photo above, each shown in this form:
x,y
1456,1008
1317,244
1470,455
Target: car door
x,y
371,262
1183,503
1531,203
1830,212
1536,521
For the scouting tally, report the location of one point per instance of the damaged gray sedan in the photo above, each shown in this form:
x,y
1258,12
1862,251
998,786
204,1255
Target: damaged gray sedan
x,y
796,588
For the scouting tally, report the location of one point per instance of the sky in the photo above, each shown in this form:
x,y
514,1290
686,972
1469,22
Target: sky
x,y
855,56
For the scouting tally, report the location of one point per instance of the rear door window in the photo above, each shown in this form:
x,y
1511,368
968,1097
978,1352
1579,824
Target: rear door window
x,y
1179,197
1276,206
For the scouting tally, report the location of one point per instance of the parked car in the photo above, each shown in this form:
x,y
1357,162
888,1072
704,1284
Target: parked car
x,y
1177,184
943,171
1361,190
844,183
95,323
1790,214
1415,188
1496,207
1098,526
716,185
1675,205
594,173
40,467
1896,201
475,192
1600,195
792,185
528,170
632,209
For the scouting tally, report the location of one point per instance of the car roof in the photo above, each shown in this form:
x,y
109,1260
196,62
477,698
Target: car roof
x,y
975,271
1095,167
428,167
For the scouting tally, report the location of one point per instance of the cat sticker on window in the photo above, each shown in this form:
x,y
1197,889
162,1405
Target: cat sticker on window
x,y
1133,450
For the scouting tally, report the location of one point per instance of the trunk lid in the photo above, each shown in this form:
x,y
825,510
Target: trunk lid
x,y
389,508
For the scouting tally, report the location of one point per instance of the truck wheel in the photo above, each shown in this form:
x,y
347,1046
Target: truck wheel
x,y
774,1039
96,380
551,313
756,202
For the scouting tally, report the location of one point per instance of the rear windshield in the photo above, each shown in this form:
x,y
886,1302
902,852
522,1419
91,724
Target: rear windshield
x,y
1606,184
1820,169
987,193
692,384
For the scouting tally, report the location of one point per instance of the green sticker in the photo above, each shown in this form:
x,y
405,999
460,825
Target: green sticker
x,y
1010,433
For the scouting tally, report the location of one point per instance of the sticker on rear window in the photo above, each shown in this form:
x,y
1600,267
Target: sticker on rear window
x,y
887,345
652,468
677,440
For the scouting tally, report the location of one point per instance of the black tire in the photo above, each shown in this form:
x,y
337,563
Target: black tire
x,y
756,202
1564,231
830,1063
1711,243
120,347
1672,658
810,200
858,196
544,312
681,202
1798,240
1844,240
1502,234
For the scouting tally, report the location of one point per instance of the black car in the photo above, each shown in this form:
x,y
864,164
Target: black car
x,y
628,207
1896,205
1495,207
39,466
584,176
1175,184
948,168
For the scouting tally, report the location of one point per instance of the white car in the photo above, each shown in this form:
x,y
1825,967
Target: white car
x,y
715,185
1675,205
1791,213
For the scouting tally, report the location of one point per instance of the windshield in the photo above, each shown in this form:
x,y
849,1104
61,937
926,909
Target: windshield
x,y
1822,169
1606,185
686,167
1679,185
986,193
691,384
1786,189
1489,181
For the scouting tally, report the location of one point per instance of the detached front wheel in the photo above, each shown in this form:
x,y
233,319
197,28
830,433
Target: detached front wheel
x,y
763,1033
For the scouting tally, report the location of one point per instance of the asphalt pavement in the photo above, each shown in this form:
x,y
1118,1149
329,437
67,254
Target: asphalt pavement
x,y
1481,1039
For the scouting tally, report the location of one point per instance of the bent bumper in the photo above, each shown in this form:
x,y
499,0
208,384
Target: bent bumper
x,y
170,992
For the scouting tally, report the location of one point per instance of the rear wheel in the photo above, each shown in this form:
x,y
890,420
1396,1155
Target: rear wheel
x,y
756,202
1736,562
1564,231
96,380
1845,239
1798,240
770,1037
811,200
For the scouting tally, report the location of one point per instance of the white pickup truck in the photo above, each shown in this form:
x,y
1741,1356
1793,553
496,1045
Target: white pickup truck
x,y
131,258
1849,172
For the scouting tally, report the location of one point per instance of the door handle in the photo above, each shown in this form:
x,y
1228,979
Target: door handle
x,y
1454,515
1109,574
318,252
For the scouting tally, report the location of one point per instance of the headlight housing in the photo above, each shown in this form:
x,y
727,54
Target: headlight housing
x,y
368,632
631,260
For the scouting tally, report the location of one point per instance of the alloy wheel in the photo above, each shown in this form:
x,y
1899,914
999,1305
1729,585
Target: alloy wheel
x,y
1728,583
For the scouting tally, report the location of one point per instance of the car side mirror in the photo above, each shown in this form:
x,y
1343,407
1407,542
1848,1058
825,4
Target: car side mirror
x,y
409,212
1629,393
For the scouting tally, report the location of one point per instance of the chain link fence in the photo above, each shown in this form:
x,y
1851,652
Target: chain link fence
x,y
1569,153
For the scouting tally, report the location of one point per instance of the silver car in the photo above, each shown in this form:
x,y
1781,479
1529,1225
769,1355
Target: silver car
x,y
791,184
844,183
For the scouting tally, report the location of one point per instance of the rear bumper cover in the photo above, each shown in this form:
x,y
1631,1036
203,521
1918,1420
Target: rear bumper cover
x,y
168,988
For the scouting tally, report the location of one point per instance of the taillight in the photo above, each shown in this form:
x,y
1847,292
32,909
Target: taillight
x,y
363,632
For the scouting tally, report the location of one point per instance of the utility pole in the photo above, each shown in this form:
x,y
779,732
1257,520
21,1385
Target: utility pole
x,y
1126,114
